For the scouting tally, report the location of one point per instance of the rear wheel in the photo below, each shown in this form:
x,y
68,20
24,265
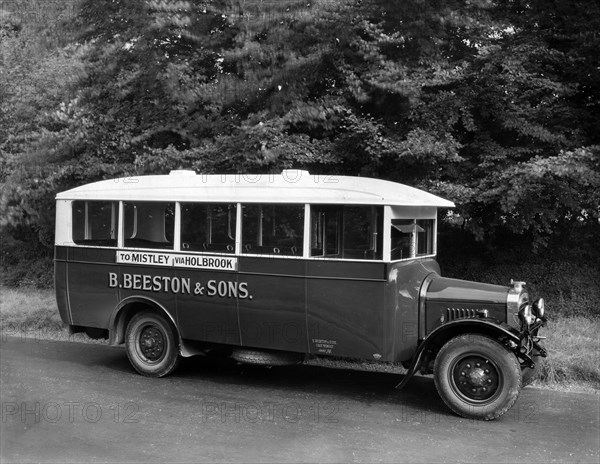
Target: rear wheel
x,y
477,377
151,345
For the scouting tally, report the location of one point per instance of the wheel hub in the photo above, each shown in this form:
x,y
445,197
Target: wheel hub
x,y
152,343
476,378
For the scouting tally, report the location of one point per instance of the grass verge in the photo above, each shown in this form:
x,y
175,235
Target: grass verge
x,y
32,313
572,342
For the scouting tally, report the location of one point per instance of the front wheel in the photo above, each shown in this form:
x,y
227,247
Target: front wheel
x,y
151,345
477,377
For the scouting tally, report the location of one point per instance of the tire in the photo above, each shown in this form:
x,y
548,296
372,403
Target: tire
x,y
267,358
477,377
528,374
152,345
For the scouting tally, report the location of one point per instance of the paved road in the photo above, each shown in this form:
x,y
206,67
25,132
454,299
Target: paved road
x,y
73,402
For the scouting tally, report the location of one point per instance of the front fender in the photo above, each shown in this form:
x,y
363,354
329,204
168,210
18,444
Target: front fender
x,y
438,337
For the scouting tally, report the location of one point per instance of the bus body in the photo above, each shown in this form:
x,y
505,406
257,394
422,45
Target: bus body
x,y
277,267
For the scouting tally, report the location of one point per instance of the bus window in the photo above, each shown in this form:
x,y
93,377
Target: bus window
x,y
208,227
149,224
347,232
425,237
272,229
403,243
95,223
326,227
411,238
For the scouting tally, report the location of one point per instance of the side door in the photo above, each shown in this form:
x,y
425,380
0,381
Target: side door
x,y
207,259
273,312
345,280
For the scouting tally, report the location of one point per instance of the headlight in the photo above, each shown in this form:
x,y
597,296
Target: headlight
x,y
526,315
539,308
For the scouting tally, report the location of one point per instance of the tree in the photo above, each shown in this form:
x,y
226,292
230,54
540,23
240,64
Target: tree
x,y
490,103
475,104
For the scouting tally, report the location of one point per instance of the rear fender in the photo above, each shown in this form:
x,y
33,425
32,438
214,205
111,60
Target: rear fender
x,y
128,307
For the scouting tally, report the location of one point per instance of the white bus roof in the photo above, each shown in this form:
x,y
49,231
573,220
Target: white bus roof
x,y
291,186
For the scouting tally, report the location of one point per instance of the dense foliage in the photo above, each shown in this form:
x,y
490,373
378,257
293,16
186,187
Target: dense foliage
x,y
493,104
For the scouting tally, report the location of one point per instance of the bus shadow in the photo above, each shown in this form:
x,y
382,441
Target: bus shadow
x,y
301,382
304,380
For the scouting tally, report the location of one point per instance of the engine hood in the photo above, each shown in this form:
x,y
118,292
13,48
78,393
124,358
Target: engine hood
x,y
446,289
448,299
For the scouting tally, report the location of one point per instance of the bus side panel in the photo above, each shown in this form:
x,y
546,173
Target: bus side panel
x,y
159,284
209,312
91,297
273,314
345,309
60,283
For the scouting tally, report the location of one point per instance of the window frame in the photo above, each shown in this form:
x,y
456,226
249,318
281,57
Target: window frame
x,y
377,221
390,212
121,236
413,213
239,232
178,227
114,223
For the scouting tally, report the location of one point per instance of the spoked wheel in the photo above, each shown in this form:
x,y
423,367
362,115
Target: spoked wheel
x,y
477,377
151,345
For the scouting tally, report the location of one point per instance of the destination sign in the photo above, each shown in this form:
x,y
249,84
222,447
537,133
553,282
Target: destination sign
x,y
225,263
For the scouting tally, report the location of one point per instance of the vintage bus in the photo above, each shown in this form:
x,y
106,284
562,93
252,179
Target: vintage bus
x,y
273,268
